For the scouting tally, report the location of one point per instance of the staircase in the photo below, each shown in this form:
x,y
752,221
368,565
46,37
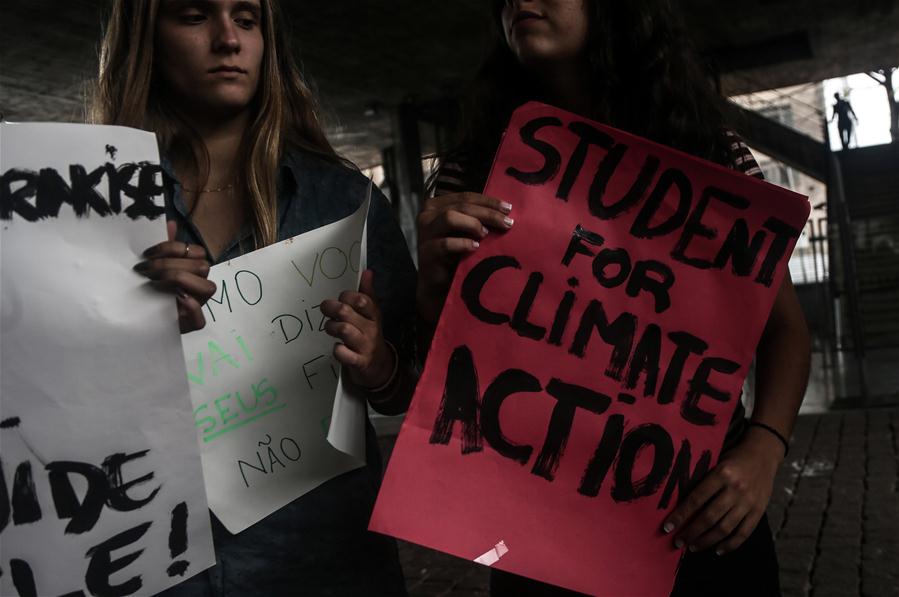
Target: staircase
x,y
854,308
871,188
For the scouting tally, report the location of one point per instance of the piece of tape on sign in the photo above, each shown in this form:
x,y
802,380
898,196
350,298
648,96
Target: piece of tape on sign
x,y
492,557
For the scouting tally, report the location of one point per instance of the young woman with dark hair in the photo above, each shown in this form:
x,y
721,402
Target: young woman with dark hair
x,y
246,165
629,65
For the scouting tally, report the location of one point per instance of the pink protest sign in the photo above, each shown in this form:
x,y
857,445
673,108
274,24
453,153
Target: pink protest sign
x,y
587,362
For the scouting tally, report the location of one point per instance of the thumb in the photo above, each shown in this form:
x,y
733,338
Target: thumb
x,y
367,284
172,229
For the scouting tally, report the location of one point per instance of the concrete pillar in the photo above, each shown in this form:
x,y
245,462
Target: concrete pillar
x,y
405,170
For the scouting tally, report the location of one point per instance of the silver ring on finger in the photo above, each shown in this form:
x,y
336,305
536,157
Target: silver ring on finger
x,y
186,251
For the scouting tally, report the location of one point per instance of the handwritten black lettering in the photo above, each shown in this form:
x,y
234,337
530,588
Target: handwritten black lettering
x,y
459,403
552,159
41,194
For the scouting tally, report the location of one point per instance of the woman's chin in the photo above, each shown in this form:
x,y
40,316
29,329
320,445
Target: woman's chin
x,y
221,107
540,55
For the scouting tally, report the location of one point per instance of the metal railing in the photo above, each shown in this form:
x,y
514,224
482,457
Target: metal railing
x,y
805,117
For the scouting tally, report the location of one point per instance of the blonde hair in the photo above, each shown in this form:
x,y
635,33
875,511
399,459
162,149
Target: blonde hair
x,y
127,93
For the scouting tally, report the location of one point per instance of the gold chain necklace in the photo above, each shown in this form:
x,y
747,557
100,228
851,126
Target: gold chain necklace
x,y
215,190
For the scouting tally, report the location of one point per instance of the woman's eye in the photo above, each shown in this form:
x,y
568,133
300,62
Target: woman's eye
x,y
245,22
192,18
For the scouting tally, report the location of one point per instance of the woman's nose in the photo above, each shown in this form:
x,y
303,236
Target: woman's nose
x,y
226,38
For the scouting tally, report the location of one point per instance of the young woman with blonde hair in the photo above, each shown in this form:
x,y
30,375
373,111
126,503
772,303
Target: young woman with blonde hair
x,y
247,164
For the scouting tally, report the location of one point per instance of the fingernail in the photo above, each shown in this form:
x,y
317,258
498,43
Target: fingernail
x,y
484,231
151,251
508,222
719,552
475,244
506,207
181,295
678,543
668,527
141,266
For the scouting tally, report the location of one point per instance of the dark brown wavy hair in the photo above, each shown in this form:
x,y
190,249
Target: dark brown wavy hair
x,y
645,78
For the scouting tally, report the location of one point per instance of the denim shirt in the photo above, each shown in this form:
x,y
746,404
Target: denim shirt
x,y
318,544
313,192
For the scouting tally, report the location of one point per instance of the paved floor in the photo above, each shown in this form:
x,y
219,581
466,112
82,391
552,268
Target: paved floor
x,y
836,508
834,512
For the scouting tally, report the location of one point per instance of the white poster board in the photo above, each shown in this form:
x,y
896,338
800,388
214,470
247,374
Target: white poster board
x,y
263,379
101,486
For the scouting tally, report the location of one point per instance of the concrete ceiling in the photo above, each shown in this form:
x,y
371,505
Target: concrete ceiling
x,y
366,56
764,44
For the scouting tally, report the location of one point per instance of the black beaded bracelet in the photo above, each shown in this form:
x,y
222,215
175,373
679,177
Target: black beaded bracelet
x,y
775,433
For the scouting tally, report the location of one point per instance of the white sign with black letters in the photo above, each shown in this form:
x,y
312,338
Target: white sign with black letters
x,y
272,418
101,486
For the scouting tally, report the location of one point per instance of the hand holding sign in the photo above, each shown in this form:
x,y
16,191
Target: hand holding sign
x,y
450,226
355,320
724,509
180,268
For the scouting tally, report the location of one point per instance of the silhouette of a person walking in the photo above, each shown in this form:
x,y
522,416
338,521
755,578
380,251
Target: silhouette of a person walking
x,y
843,112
